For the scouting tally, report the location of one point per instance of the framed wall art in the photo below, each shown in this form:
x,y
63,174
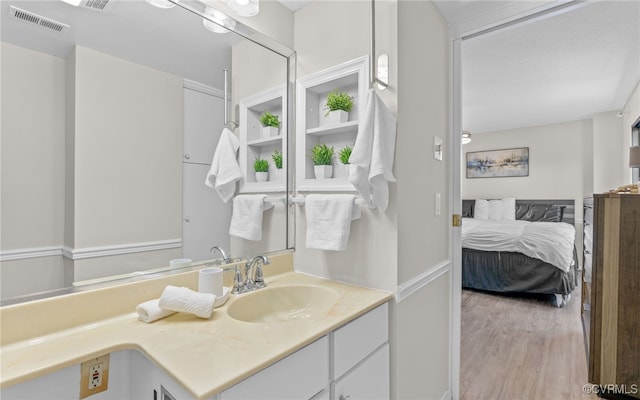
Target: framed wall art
x,y
498,163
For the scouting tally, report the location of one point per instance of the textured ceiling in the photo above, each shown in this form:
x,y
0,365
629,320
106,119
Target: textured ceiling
x,y
563,66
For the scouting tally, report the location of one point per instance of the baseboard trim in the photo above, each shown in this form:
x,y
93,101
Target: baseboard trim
x,y
408,288
89,252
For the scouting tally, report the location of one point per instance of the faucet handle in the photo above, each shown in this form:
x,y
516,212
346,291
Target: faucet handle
x,y
238,284
259,278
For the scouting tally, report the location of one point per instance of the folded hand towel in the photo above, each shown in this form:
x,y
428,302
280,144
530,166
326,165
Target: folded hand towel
x,y
329,220
182,299
224,166
150,311
372,157
246,217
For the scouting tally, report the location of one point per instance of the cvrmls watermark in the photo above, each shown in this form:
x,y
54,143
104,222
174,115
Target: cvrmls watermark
x,y
610,389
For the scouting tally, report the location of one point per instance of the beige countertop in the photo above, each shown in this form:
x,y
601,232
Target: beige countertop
x,y
188,348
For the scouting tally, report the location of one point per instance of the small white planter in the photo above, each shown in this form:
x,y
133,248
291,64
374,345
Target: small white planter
x,y
323,171
338,117
341,170
277,175
270,131
262,176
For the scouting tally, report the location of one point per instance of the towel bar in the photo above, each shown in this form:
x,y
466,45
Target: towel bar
x,y
281,199
301,200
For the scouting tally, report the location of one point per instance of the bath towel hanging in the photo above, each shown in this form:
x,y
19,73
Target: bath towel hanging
x,y
372,158
246,217
225,170
329,219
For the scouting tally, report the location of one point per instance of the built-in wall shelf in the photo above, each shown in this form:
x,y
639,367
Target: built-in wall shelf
x,y
313,127
269,141
349,126
253,145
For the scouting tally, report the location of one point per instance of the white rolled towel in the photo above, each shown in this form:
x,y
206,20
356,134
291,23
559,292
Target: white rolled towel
x,y
150,311
182,299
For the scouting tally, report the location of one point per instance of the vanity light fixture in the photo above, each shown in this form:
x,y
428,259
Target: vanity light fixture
x,y
160,3
217,22
244,8
466,137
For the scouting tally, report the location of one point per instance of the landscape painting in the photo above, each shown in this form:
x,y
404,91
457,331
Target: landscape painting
x,y
498,163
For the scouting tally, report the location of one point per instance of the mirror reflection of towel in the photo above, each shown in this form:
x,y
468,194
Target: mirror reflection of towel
x,y
329,219
225,170
372,157
246,217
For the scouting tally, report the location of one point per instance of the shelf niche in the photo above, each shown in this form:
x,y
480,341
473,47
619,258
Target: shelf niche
x,y
313,127
253,145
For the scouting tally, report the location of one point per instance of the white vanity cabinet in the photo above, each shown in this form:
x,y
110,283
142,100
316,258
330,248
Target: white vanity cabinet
x,y
299,376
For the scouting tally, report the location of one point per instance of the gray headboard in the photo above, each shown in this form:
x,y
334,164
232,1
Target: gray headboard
x,y
535,210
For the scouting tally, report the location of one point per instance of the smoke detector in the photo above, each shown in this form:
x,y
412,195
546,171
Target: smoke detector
x,y
35,19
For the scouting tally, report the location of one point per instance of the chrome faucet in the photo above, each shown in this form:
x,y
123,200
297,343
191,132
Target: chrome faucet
x,y
226,258
253,276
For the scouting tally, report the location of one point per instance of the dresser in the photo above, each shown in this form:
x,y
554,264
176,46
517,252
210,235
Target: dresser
x,y
614,328
587,265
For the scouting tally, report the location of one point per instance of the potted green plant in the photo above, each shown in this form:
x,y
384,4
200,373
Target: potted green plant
x,y
262,169
322,157
276,156
270,124
339,105
341,169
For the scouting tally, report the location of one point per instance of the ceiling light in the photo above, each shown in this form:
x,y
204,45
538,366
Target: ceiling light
x,y
160,3
75,3
244,8
217,22
466,137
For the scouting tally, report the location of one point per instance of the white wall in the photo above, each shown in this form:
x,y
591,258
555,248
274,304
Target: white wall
x,y
403,244
608,139
33,163
555,163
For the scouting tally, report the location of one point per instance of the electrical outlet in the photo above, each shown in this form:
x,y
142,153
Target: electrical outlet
x,y
438,205
94,376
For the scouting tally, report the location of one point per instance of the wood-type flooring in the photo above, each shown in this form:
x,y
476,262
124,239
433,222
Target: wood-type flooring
x,y
521,348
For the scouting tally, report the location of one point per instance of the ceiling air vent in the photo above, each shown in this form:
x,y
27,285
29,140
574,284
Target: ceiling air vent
x,y
35,19
98,5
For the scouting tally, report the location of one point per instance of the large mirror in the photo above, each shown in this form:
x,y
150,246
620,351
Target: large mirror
x,y
110,119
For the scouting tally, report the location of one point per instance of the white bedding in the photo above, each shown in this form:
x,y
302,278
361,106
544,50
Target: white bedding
x,y
551,242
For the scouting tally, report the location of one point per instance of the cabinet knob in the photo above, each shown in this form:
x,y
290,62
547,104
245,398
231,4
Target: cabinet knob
x,y
186,219
187,156
343,397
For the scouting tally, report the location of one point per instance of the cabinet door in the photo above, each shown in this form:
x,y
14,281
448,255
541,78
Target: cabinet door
x,y
368,380
299,376
203,123
206,218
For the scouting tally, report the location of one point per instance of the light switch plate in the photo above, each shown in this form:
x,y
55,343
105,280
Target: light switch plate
x,y
437,148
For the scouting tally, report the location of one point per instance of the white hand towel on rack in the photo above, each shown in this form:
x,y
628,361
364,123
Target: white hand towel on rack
x,y
372,158
224,166
246,217
329,219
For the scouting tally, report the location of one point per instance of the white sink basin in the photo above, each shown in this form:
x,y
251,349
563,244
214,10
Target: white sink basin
x,y
283,304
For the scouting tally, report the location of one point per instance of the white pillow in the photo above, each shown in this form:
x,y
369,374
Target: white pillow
x,y
481,209
509,209
495,210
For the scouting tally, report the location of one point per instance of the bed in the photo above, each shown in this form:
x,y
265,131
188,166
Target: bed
x,y
530,251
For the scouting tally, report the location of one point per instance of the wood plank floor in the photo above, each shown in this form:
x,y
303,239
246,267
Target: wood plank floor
x,y
521,348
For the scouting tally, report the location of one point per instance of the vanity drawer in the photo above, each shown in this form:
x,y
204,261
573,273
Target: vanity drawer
x,y
354,342
301,375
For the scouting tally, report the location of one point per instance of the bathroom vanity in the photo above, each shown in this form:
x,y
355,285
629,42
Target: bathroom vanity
x,y
333,354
